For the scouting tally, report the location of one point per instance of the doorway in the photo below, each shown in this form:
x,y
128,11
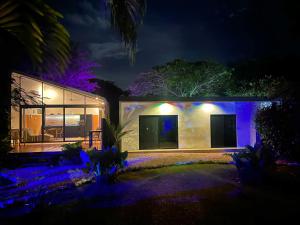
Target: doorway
x,y
31,124
158,132
223,131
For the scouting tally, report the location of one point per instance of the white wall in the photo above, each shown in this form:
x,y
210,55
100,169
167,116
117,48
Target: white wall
x,y
193,121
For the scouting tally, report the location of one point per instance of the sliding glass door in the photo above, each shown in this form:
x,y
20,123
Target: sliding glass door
x,y
74,124
223,131
158,132
31,124
57,124
54,124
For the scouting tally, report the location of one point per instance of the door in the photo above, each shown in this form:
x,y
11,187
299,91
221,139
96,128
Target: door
x,y
148,132
168,132
31,125
223,131
54,124
74,124
156,132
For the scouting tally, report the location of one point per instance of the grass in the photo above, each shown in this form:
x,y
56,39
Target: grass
x,y
187,194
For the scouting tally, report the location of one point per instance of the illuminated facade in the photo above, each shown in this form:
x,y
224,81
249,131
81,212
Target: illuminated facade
x,y
188,123
57,113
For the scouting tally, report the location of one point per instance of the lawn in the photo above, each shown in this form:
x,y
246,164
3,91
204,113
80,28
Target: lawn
x,y
186,194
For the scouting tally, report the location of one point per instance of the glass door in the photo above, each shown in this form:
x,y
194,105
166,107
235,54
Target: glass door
x,y
54,124
32,122
74,124
223,131
158,132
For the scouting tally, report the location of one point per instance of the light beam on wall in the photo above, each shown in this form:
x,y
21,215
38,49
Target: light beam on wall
x,y
165,108
207,107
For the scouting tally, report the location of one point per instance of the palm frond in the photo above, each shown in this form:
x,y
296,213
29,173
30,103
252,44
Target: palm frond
x,y
117,131
36,25
125,17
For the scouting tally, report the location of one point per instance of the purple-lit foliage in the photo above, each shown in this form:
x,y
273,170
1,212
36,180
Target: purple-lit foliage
x,y
78,74
107,162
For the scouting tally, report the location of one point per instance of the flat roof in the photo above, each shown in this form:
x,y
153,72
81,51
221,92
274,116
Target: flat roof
x,y
192,99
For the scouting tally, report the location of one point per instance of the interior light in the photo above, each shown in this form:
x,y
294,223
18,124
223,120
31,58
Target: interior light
x,y
207,107
165,108
50,94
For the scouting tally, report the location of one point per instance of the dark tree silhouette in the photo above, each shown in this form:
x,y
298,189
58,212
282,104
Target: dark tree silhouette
x,y
112,93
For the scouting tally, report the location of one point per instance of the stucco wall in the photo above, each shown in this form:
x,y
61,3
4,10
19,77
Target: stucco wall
x,y
193,121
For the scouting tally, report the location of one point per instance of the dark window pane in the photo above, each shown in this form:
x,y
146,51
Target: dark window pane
x,y
223,131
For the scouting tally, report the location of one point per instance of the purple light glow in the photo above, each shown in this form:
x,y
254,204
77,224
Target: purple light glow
x,y
78,74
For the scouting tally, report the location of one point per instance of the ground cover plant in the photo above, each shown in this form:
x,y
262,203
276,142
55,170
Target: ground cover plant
x,y
202,193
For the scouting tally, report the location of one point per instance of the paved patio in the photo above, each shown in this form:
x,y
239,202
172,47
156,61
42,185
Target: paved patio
x,y
149,158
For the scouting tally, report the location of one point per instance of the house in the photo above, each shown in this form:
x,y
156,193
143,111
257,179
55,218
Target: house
x,y
189,123
55,113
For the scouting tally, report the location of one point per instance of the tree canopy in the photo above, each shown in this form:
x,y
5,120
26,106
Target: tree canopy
x,y
181,78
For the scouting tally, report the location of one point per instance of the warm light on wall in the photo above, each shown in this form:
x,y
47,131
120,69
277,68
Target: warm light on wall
x,y
165,108
50,94
207,107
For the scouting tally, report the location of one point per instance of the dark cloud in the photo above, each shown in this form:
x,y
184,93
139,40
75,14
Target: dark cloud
x,y
223,31
88,15
110,50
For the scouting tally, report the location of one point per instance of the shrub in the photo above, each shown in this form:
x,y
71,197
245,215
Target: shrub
x,y
278,127
6,180
5,148
72,151
254,163
114,133
108,162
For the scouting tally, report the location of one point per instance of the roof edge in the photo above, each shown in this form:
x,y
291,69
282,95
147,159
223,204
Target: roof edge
x,y
192,99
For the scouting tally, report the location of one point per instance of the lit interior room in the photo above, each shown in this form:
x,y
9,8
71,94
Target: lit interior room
x,y
57,113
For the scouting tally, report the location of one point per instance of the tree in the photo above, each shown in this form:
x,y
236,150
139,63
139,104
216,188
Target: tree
x,y
111,93
264,77
267,86
183,79
28,29
78,74
125,17
278,127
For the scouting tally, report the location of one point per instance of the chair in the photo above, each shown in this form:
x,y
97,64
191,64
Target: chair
x,y
15,136
28,136
59,132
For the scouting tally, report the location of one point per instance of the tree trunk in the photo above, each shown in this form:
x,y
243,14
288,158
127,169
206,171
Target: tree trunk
x,y
10,55
5,101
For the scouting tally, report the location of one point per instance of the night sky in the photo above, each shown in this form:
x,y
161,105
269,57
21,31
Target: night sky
x,y
223,31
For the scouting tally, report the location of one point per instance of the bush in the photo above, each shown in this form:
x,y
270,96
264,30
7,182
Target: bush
x,y
5,148
71,152
278,127
114,133
254,164
6,180
108,162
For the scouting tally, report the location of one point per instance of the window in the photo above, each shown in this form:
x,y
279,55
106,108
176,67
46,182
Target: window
x,y
52,95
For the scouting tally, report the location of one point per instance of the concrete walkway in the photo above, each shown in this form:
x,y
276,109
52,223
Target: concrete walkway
x,y
154,159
